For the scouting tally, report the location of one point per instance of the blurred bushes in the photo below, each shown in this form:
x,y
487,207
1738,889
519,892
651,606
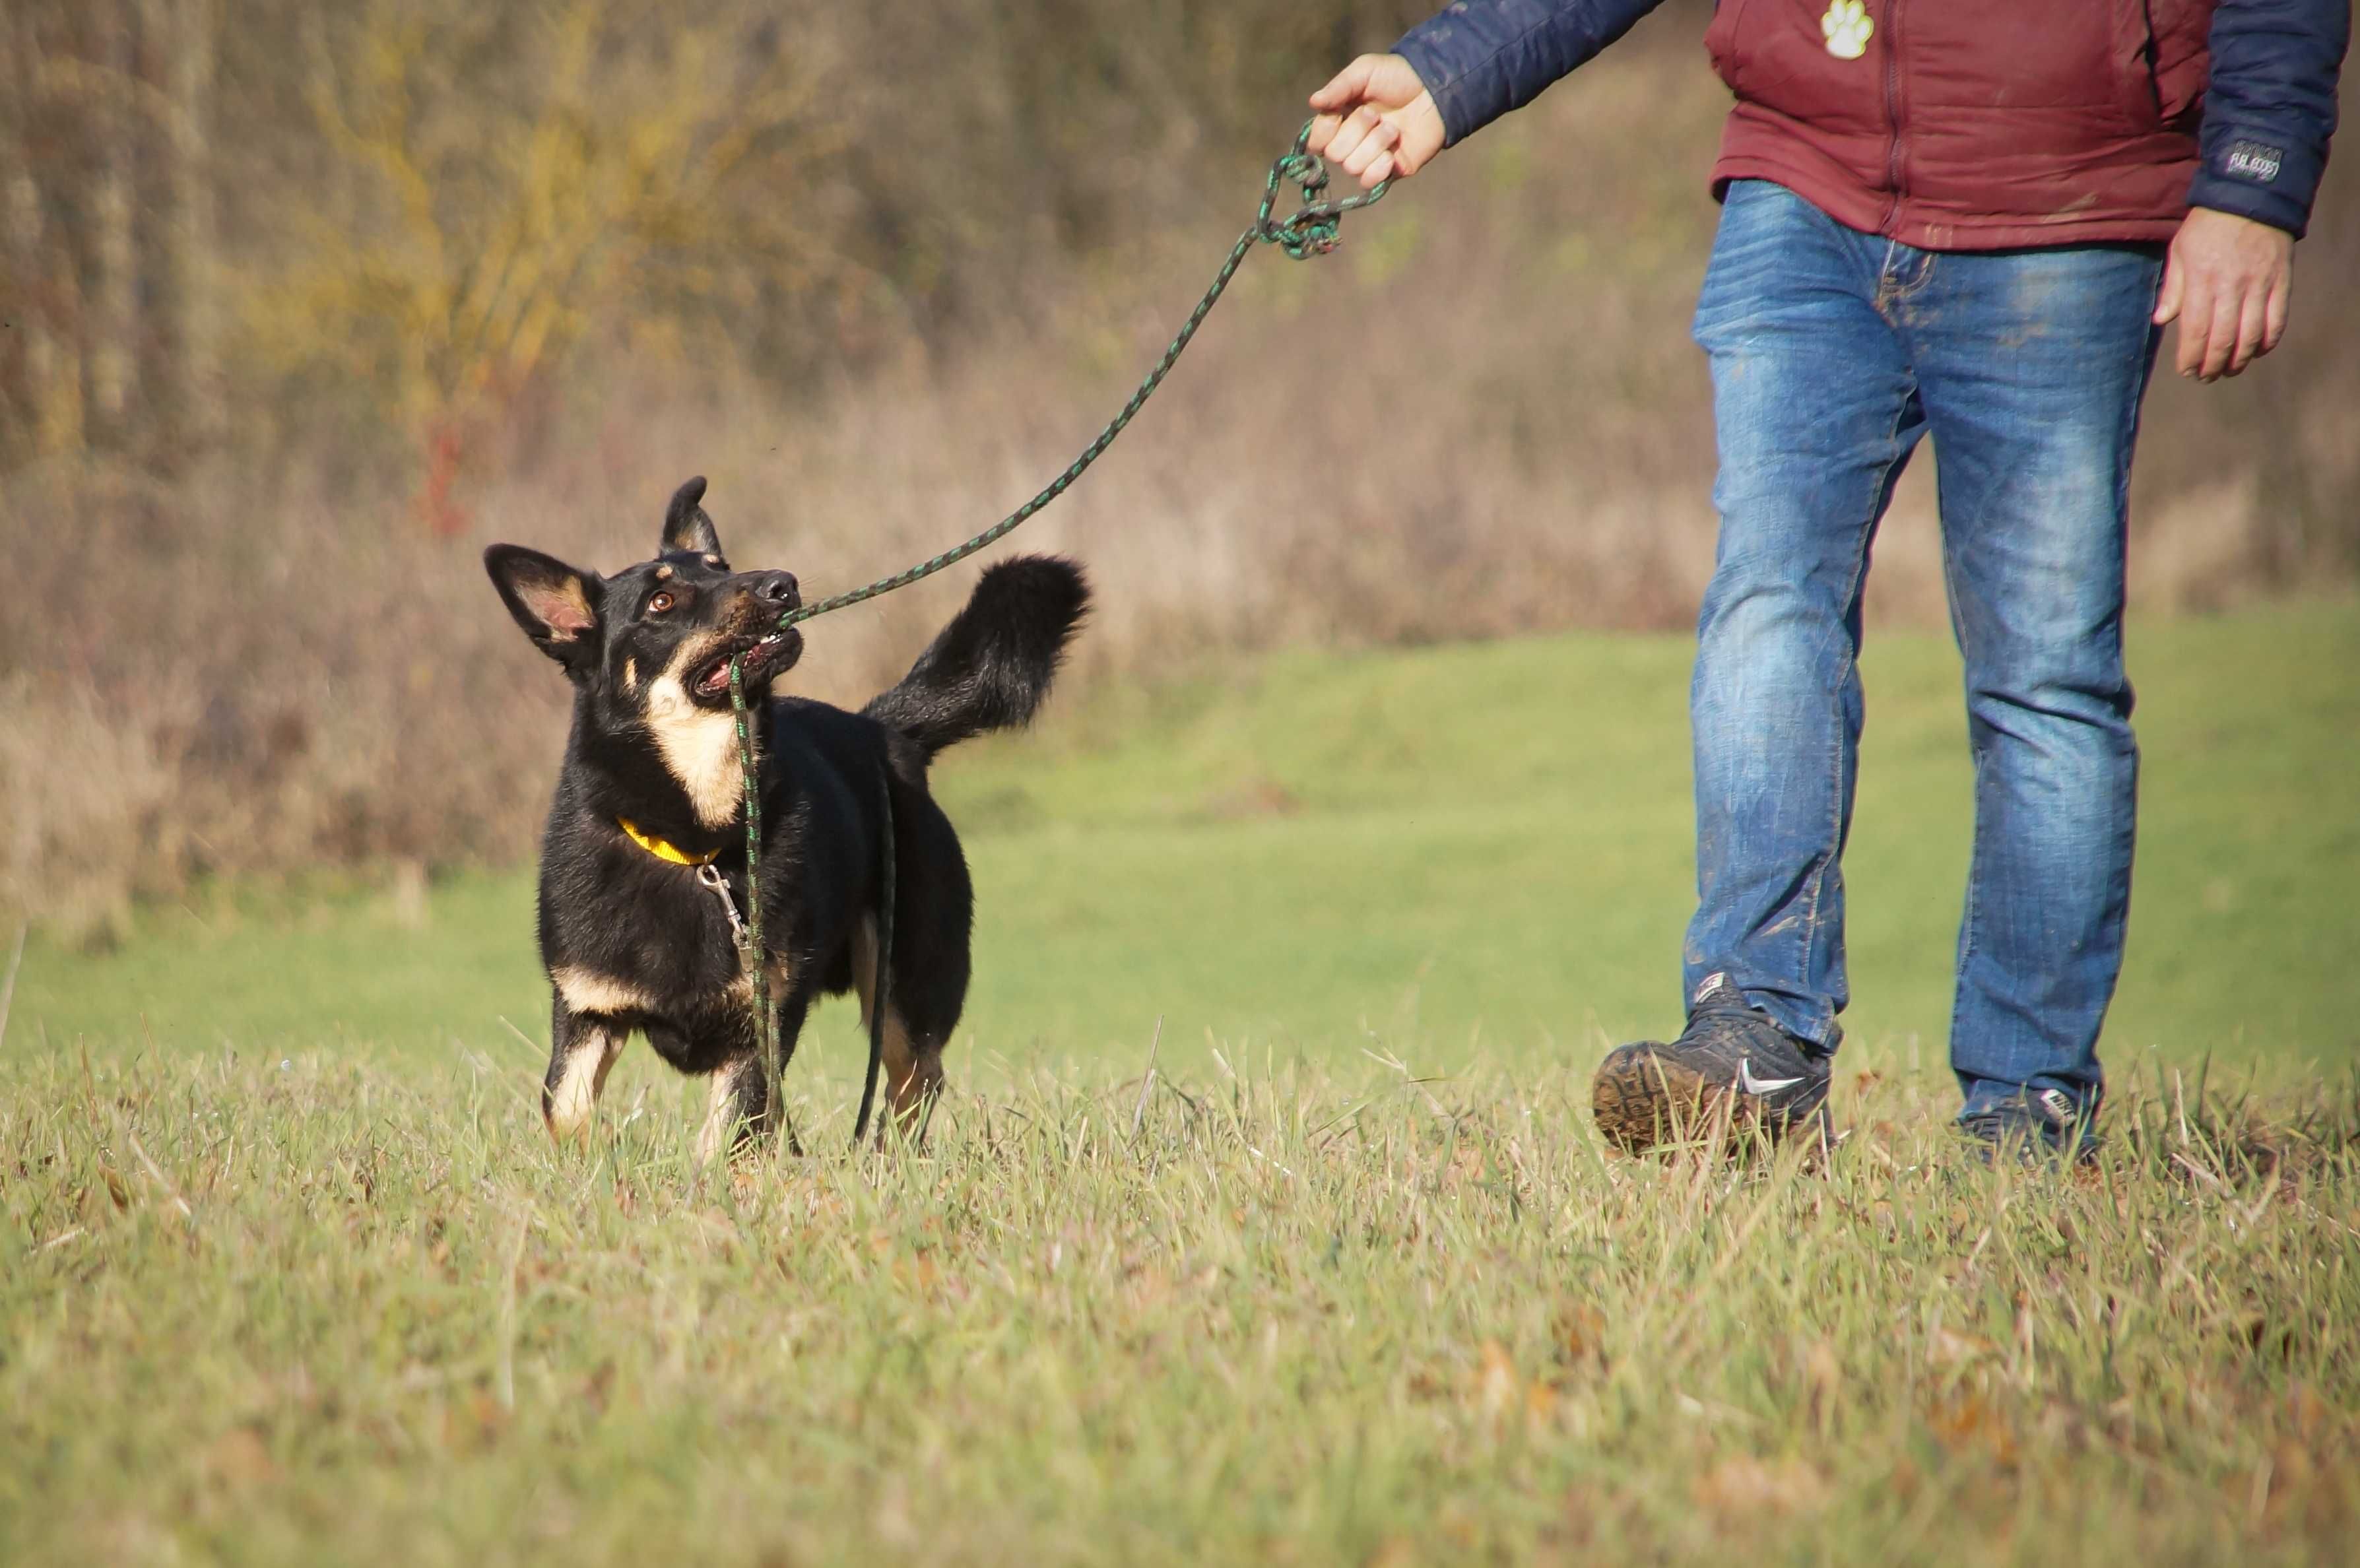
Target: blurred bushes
x,y
306,301
404,213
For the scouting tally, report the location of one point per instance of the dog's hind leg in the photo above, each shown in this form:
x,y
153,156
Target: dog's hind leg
x,y
794,1006
582,1048
913,1060
914,1077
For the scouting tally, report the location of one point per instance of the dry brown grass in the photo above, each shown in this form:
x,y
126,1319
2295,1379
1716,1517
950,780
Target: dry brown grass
x,y
313,1308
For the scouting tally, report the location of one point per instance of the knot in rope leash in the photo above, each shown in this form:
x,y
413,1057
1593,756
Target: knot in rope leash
x,y
1313,229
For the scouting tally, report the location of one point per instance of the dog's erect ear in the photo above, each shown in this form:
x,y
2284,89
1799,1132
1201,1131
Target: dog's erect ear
x,y
556,604
686,527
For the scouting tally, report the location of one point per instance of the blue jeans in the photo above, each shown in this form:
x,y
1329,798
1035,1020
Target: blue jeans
x,y
1832,353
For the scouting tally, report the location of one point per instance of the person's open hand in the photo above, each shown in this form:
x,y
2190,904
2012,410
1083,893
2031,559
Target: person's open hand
x,y
1376,120
2227,282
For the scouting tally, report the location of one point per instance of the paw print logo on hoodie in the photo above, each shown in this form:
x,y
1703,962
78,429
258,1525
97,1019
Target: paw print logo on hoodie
x,y
1847,28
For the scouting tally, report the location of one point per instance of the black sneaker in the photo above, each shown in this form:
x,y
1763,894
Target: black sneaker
x,y
2040,1127
1732,1055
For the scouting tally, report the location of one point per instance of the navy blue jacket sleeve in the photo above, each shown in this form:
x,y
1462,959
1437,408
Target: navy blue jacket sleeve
x,y
2269,107
1482,57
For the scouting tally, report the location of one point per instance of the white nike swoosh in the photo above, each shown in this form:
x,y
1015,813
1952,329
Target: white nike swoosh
x,y
1753,1085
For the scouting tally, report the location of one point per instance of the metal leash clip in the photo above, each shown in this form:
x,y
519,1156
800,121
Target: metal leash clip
x,y
713,878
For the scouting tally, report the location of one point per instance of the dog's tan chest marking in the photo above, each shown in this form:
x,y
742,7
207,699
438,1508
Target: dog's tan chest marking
x,y
586,991
699,745
912,1073
604,995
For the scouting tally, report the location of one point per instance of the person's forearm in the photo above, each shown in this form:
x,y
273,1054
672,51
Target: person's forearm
x,y
1482,58
2269,107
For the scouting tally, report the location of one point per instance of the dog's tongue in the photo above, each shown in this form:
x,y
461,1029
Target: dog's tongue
x,y
717,677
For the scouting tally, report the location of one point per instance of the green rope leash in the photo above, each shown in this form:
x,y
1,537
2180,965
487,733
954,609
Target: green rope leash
x,y
1312,230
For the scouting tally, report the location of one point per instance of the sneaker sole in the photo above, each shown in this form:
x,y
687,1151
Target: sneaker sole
x,y
2030,1152
1639,1099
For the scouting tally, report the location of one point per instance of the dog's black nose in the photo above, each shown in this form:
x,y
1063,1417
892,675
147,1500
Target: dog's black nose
x,y
777,588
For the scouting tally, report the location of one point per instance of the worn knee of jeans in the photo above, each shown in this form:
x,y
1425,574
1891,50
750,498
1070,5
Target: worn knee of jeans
x,y
2038,611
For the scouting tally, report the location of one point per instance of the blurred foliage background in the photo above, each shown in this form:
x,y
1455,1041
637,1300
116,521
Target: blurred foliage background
x,y
301,303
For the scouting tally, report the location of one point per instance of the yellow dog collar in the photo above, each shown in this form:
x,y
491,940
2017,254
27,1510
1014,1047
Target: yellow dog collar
x,y
664,849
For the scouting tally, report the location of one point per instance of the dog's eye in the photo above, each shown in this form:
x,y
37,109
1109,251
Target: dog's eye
x,y
660,604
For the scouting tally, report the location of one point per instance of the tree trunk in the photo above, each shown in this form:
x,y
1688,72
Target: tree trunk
x,y
40,410
197,393
110,342
19,241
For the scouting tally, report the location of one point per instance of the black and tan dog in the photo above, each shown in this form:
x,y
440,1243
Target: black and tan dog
x,y
642,869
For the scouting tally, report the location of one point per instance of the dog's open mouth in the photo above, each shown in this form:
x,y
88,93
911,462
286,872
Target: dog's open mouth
x,y
764,657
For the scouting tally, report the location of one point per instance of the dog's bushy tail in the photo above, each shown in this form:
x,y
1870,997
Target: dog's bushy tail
x,y
992,665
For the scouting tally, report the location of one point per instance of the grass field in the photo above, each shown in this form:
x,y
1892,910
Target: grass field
x,y
290,1274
